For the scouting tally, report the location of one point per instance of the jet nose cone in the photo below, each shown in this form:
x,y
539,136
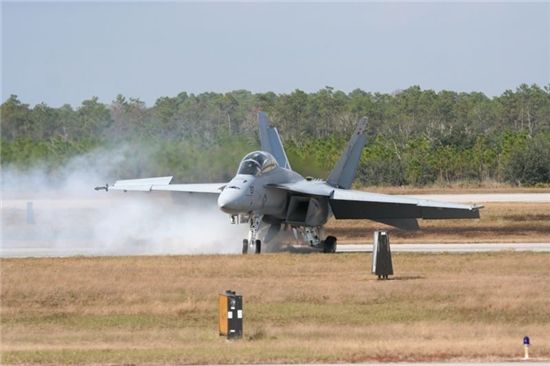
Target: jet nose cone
x,y
224,205
230,202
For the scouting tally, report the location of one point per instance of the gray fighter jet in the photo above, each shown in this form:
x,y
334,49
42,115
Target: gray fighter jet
x,y
269,196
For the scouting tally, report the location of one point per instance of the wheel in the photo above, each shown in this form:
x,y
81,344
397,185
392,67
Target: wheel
x,y
258,246
329,245
245,246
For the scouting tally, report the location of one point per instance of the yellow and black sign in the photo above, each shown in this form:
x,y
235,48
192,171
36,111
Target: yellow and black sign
x,y
230,308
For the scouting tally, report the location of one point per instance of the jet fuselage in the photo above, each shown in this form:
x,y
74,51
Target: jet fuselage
x,y
246,193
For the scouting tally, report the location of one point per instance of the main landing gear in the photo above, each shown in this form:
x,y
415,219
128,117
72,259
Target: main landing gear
x,y
329,244
312,235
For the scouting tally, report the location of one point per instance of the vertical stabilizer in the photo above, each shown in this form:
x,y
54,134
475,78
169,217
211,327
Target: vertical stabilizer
x,y
271,142
343,174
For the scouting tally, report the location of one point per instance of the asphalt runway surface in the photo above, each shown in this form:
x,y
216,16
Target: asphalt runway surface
x,y
450,248
68,226
21,252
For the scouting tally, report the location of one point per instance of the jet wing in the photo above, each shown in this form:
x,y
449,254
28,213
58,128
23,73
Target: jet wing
x,y
350,204
163,184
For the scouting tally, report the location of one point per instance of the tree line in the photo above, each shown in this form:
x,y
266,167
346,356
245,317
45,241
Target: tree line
x,y
415,137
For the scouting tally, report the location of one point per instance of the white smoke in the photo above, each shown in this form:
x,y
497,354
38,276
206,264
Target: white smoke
x,y
69,218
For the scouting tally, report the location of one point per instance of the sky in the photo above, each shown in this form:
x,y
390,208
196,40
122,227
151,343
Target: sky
x,y
66,52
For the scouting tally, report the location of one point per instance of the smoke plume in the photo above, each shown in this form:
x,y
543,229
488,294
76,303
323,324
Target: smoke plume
x,y
61,214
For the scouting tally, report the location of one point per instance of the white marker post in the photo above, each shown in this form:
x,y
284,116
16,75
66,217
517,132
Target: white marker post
x,y
526,347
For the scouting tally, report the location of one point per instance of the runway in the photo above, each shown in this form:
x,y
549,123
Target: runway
x,y
450,248
111,226
22,252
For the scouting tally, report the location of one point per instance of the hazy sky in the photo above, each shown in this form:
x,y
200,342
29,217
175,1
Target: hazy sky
x,y
66,52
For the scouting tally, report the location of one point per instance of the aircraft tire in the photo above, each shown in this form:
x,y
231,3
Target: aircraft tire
x,y
329,245
258,246
245,246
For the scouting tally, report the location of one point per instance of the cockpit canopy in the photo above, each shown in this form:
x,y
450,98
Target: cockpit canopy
x,y
257,163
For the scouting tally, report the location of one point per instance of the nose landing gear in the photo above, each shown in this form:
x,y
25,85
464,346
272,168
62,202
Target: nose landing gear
x,y
257,246
255,222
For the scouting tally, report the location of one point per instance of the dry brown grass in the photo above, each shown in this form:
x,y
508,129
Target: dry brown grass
x,y
499,222
298,308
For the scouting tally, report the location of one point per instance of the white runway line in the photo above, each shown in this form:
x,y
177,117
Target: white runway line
x,y
342,248
450,248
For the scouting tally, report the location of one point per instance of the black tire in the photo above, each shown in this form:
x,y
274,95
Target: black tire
x,y
245,246
258,246
329,245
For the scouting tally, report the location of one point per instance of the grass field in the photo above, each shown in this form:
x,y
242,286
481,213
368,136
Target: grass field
x,y
298,308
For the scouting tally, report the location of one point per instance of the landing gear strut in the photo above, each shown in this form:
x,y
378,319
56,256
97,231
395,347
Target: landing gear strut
x,y
255,222
312,235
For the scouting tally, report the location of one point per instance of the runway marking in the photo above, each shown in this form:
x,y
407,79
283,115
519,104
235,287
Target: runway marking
x,y
12,252
450,248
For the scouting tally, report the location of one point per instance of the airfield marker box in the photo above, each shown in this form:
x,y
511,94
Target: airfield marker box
x,y
381,255
230,309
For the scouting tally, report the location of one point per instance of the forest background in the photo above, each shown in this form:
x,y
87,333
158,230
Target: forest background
x,y
415,137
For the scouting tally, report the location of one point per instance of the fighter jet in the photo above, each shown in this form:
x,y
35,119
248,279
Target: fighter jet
x,y
269,196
